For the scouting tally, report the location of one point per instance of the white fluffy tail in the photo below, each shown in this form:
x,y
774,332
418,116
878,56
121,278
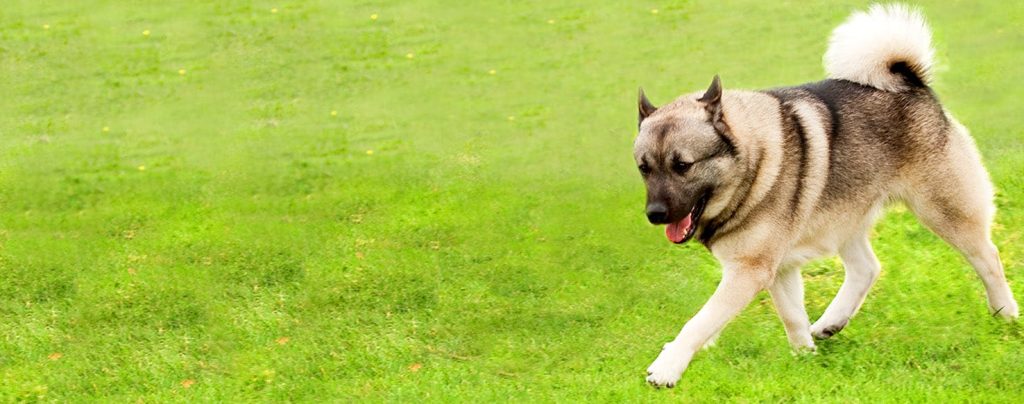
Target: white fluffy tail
x,y
888,47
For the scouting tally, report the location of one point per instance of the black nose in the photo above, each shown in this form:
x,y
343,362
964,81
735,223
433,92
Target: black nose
x,y
657,213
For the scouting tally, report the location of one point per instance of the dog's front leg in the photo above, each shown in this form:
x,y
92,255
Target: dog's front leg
x,y
738,287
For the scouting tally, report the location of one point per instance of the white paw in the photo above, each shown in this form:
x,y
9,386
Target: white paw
x,y
666,370
805,350
824,330
1008,311
803,344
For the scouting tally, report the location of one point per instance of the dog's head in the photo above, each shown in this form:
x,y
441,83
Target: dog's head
x,y
685,152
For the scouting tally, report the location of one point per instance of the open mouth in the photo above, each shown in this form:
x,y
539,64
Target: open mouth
x,y
683,230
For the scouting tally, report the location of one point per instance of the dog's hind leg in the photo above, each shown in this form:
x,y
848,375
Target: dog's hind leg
x,y
984,257
971,237
862,270
953,197
788,297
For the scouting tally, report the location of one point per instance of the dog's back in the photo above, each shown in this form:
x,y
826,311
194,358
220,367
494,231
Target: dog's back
x,y
872,134
888,136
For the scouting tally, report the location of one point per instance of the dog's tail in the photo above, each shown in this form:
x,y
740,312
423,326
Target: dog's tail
x,y
888,47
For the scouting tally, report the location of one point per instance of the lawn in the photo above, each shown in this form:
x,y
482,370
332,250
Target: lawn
x,y
436,201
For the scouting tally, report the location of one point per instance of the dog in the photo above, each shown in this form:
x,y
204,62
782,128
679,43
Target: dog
x,y
768,180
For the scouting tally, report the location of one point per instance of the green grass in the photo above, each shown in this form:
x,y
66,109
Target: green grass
x,y
228,233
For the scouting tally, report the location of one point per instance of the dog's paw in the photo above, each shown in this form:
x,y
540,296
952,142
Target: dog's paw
x,y
668,368
1008,312
821,330
802,344
801,341
805,350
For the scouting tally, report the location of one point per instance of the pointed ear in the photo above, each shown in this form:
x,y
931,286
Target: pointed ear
x,y
645,107
714,93
712,100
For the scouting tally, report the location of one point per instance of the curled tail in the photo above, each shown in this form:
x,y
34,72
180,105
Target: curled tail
x,y
888,47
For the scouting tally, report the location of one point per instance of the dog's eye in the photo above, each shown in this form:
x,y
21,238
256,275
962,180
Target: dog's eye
x,y
644,169
680,167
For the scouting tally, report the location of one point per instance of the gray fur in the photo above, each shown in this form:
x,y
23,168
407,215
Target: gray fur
x,y
782,176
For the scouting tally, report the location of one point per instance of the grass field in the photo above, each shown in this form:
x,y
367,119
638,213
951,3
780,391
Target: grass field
x,y
425,200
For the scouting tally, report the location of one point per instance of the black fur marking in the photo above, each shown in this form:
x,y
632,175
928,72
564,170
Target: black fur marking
x,y
711,228
661,132
795,125
708,232
872,122
830,97
722,130
793,131
909,73
722,148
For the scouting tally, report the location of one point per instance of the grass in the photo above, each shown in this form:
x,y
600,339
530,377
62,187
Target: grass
x,y
438,204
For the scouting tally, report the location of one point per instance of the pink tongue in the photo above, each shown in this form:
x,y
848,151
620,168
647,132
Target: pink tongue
x,y
676,232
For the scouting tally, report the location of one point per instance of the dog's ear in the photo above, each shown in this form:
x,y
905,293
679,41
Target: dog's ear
x,y
713,97
645,107
712,100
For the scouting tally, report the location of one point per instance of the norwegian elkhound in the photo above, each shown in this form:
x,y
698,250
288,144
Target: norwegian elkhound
x,y
770,179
